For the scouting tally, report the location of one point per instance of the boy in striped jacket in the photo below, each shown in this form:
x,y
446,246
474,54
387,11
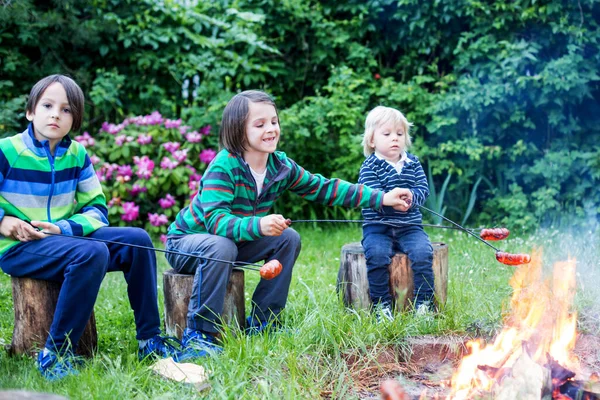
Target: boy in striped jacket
x,y
48,187
388,166
229,219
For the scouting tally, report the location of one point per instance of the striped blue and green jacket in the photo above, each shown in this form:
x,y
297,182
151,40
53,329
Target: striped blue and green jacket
x,y
227,203
62,189
379,174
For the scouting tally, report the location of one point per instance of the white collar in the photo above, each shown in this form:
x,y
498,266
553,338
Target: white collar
x,y
403,158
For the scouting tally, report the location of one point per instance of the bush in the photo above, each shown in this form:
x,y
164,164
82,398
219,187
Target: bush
x,y
150,168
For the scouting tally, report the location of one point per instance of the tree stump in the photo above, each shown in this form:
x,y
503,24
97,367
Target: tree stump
x,y
34,303
178,290
354,285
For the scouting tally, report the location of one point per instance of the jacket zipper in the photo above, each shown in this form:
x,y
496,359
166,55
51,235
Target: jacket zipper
x,y
51,159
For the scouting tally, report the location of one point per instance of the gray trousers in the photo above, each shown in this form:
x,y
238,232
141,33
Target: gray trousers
x,y
211,277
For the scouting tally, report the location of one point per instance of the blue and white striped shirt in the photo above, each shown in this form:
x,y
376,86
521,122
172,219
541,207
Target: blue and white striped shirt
x,y
379,174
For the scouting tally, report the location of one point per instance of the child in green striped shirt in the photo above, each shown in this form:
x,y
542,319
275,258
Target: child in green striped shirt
x,y
230,220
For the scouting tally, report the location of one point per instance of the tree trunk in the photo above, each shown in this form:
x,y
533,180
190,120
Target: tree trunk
x,y
354,285
34,303
178,290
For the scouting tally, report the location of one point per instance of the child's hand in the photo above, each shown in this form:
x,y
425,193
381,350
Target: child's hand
x,y
273,225
20,230
398,199
46,227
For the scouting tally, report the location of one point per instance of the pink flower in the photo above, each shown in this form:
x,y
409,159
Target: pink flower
x,y
137,189
86,140
115,201
167,202
121,139
207,155
94,159
205,130
183,129
112,128
130,211
171,146
124,173
180,155
167,163
124,170
144,139
163,238
194,182
193,137
106,171
145,166
153,119
172,123
158,220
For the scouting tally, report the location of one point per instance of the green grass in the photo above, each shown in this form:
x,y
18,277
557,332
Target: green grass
x,y
312,360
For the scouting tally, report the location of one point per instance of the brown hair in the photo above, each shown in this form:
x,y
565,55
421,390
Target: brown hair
x,y
232,133
74,96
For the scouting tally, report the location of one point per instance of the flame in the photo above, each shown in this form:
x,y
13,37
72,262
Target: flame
x,y
540,317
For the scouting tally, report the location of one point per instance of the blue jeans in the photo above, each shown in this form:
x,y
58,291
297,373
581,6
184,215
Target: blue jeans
x,y
80,265
380,243
211,277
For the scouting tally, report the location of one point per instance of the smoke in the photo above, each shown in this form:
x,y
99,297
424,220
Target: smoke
x,y
583,244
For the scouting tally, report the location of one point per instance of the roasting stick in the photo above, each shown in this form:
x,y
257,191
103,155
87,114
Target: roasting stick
x,y
267,271
501,256
489,234
485,233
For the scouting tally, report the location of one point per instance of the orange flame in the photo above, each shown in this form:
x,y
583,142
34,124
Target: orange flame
x,y
540,316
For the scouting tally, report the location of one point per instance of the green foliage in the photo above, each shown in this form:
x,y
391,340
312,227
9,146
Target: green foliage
x,y
504,95
150,168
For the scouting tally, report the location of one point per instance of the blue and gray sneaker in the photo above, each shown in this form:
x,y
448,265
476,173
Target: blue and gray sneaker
x,y
196,344
384,313
55,367
160,347
257,327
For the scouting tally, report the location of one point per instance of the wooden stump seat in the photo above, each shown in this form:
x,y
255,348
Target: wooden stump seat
x,y
178,290
34,303
354,285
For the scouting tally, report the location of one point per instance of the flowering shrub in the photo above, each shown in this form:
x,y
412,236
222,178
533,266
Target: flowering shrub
x,y
150,167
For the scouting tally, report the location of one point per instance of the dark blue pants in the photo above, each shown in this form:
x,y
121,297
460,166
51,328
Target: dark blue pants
x,y
211,277
380,243
80,265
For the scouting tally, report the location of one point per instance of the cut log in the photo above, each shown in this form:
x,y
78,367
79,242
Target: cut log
x,y
354,286
178,290
34,303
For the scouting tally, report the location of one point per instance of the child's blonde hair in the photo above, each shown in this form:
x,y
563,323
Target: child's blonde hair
x,y
379,116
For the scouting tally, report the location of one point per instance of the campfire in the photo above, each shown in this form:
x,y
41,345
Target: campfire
x,y
532,357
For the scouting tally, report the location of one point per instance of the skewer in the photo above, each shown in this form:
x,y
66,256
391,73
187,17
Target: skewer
x,y
267,271
501,256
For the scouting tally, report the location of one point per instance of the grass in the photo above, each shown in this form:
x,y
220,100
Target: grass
x,y
312,360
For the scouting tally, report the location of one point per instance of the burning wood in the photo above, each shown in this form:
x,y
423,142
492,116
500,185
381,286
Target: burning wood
x,y
532,356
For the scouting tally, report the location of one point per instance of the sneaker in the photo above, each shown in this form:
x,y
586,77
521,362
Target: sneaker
x,y
256,328
425,311
160,347
196,344
55,367
383,314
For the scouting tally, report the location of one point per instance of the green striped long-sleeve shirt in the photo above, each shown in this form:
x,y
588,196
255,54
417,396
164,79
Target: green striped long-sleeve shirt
x,y
61,188
227,203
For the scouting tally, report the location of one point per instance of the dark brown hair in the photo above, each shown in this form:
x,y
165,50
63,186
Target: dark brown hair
x,y
74,96
232,133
